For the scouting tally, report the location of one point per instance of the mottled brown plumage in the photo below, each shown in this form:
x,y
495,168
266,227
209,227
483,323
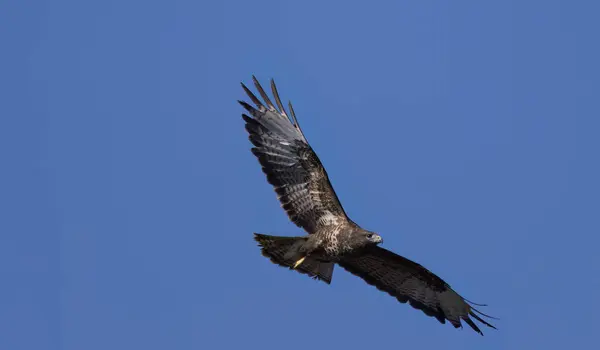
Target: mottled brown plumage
x,y
306,194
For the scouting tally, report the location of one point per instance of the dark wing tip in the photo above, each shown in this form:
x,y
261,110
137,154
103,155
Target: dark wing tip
x,y
277,99
472,325
475,316
252,96
262,93
481,313
473,313
247,107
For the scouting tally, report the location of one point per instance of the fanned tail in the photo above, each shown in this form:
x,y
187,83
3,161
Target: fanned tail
x,y
284,251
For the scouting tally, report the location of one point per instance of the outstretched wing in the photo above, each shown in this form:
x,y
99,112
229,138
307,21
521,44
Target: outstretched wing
x,y
411,282
291,166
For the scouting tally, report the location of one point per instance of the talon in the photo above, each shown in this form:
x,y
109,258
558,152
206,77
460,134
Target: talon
x,y
298,262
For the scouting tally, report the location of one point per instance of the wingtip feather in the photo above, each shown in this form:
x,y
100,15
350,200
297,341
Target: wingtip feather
x,y
262,93
475,316
277,99
253,97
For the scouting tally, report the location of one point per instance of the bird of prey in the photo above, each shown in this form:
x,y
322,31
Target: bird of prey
x,y
307,196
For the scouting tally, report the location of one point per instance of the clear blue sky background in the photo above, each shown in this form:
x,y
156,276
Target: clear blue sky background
x,y
465,132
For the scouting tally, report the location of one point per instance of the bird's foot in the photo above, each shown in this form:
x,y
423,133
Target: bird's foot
x,y
298,262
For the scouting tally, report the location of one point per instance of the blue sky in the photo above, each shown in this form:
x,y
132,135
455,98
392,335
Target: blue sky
x,y
464,132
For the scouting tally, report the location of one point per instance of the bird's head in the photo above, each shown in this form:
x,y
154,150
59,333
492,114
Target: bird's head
x,y
371,238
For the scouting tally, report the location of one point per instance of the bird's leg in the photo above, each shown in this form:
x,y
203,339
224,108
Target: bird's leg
x,y
303,250
299,262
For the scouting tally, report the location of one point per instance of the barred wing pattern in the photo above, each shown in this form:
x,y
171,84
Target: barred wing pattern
x,y
291,166
410,282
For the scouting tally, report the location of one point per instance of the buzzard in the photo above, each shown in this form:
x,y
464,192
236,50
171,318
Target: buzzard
x,y
305,193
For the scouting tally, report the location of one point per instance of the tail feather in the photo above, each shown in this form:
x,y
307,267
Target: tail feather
x,y
283,251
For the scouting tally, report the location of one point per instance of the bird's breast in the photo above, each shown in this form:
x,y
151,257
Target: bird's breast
x,y
332,241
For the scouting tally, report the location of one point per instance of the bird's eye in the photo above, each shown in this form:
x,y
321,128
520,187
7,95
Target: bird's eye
x,y
370,235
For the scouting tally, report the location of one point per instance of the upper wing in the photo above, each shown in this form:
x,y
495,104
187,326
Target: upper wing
x,y
291,166
409,281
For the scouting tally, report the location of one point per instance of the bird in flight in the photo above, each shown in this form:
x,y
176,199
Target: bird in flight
x,y
307,196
